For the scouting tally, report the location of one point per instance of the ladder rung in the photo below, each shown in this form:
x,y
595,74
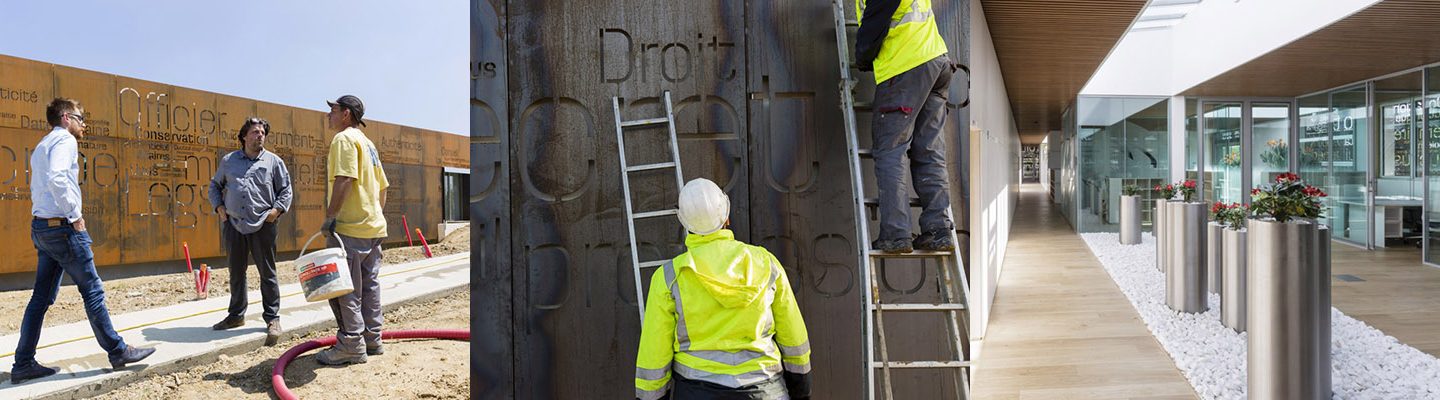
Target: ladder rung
x,y
913,254
921,307
921,364
865,153
653,264
641,122
852,23
653,214
648,167
863,105
874,201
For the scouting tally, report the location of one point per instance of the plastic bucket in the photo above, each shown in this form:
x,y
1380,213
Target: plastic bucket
x,y
324,274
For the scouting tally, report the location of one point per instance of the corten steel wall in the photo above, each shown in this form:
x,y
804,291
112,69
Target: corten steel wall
x,y
755,85
151,149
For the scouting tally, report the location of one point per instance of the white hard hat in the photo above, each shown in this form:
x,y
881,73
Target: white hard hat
x,y
704,208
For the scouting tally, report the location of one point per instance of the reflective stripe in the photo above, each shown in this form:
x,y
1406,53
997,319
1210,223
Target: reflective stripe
x,y
797,369
652,394
792,351
681,334
914,15
652,374
730,381
726,357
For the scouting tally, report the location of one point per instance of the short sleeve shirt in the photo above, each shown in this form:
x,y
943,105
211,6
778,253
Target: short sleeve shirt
x,y
353,155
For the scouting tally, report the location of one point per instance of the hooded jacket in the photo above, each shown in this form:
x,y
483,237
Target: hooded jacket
x,y
722,313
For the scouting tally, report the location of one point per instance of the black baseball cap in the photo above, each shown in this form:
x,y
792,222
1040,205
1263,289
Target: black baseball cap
x,y
357,109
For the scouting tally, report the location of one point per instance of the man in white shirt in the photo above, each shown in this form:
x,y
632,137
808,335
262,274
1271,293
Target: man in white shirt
x,y
63,244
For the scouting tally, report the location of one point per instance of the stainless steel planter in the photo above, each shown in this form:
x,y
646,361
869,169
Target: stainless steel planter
x,y
1232,297
1159,233
1185,277
1129,219
1214,256
1288,310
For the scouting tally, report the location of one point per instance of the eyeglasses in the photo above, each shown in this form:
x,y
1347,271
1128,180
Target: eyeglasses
x,y
77,117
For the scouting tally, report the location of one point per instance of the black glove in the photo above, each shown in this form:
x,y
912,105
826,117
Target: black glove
x,y
798,385
329,226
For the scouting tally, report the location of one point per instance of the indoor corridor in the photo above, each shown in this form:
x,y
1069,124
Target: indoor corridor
x,y
1060,327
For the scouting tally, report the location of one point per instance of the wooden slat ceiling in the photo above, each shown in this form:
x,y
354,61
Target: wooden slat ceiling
x,y
1390,36
1048,49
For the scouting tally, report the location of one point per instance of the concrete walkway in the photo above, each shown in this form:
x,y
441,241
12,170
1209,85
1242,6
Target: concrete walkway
x,y
182,336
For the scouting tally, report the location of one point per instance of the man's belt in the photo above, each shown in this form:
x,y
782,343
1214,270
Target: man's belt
x,y
53,222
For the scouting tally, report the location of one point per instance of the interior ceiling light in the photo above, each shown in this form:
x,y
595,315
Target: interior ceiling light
x,y
1161,14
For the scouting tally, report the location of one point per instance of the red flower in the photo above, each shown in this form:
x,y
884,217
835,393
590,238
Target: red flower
x,y
1157,187
1254,191
1286,177
1189,184
1215,208
1169,187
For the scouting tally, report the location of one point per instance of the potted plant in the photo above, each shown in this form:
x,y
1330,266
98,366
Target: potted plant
x,y
1232,266
1164,193
1276,154
1130,214
1288,292
1185,279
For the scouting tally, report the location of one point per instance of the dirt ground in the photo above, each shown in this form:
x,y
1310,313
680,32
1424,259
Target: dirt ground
x,y
409,369
146,292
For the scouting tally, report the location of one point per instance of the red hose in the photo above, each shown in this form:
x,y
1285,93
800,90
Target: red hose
x,y
277,375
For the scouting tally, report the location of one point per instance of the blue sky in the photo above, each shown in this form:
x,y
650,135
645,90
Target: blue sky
x,y
407,60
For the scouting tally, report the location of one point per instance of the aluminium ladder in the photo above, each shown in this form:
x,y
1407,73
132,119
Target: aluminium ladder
x,y
625,169
954,301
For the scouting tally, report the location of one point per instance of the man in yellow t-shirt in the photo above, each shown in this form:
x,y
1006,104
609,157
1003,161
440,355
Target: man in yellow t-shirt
x,y
355,198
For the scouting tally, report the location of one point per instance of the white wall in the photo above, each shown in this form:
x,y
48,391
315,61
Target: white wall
x,y
994,187
1214,37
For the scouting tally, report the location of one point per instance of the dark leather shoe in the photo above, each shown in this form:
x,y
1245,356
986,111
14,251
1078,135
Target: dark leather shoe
x,y
901,245
272,332
936,240
229,322
130,355
34,371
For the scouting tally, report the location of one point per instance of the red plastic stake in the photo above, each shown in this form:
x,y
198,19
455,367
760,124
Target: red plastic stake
x,y
186,246
422,242
406,221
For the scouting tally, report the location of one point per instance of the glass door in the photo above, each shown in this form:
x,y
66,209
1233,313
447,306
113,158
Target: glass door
x,y
1348,180
1221,136
1399,190
1269,141
1431,168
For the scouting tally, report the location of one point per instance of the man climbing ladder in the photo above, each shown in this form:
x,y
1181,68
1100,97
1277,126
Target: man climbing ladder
x,y
900,42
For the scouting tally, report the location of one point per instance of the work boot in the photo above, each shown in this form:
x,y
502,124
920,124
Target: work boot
x,y
333,356
230,322
34,371
935,240
893,246
272,332
375,350
130,355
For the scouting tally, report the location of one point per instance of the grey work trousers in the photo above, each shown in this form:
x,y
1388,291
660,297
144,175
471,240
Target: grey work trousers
x,y
910,111
358,313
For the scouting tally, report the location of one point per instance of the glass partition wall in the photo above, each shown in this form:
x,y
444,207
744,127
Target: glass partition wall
x,y
1122,141
1335,155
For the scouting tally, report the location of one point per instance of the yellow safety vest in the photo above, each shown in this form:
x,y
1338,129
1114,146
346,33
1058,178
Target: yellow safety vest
x,y
723,313
914,38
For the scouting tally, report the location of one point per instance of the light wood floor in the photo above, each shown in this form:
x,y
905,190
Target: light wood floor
x,y
1060,327
1399,295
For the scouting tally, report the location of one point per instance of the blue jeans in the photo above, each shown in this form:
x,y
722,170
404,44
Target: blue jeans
x,y
62,248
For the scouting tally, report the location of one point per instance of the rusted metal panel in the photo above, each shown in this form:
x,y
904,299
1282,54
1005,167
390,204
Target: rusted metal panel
x,y
492,273
25,91
152,148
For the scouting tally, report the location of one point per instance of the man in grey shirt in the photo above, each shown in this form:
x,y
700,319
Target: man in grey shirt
x,y
250,190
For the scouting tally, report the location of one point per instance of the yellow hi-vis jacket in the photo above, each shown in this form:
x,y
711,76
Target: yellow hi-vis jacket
x,y
723,313
912,38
